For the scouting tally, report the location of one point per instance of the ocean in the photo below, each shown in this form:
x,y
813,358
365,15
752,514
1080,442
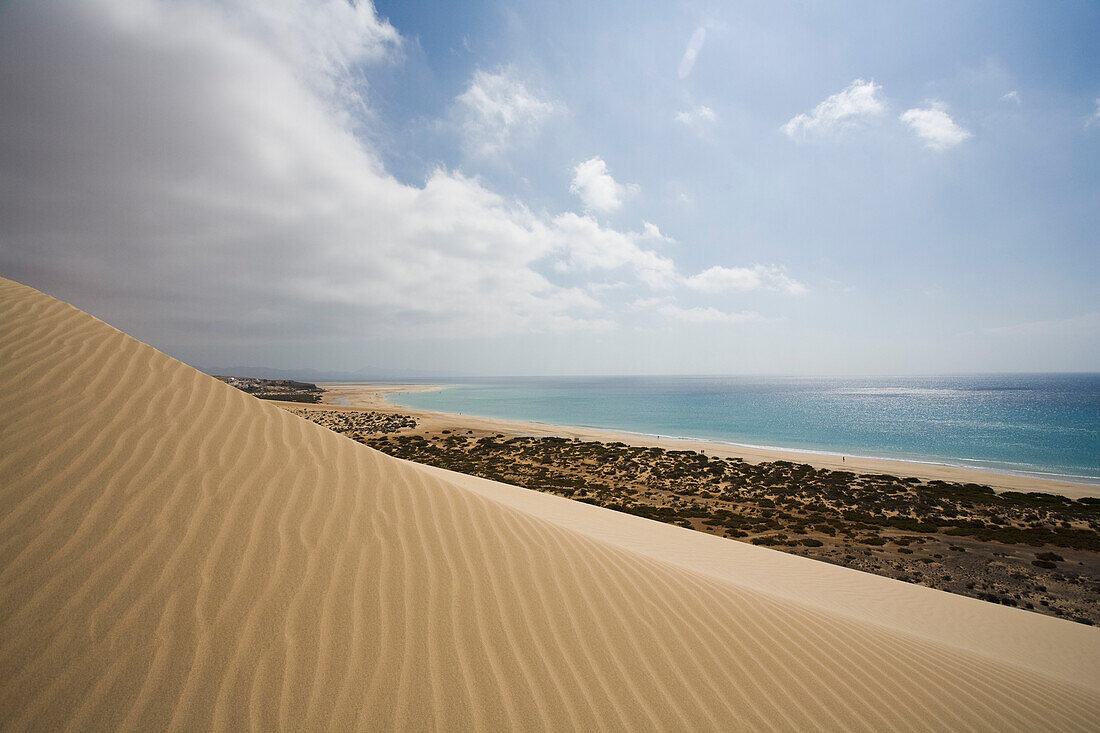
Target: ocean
x,y
1045,425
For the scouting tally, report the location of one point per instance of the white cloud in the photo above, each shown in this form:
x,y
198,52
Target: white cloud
x,y
242,207
1013,96
1095,119
650,231
687,61
843,110
699,118
705,315
321,42
719,279
596,188
586,246
934,126
496,108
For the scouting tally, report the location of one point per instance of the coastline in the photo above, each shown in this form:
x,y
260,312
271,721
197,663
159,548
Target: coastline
x,y
375,396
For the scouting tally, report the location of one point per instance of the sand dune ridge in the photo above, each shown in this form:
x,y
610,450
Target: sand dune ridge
x,y
177,554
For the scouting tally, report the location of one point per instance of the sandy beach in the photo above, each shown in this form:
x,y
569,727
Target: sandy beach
x,y
381,397
176,554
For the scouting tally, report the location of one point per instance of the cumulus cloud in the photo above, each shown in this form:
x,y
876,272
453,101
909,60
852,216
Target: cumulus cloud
x,y
1013,96
496,108
934,126
695,44
719,279
842,111
586,246
326,38
184,170
596,188
195,172
697,118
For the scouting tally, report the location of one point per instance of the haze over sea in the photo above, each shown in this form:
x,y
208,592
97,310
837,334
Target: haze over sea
x,y
1045,425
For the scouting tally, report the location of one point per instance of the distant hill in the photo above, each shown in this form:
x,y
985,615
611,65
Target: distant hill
x,y
286,390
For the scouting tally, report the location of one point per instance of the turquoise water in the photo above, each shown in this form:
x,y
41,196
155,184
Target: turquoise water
x,y
1043,425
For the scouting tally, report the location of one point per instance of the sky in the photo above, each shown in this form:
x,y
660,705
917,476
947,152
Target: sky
x,y
531,188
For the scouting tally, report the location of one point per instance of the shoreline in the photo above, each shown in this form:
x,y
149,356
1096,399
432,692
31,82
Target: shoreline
x,y
375,396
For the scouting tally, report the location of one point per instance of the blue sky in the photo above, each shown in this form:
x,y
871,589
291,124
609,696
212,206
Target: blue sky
x,y
529,188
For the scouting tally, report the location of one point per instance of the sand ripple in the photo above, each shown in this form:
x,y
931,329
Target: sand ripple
x,y
177,554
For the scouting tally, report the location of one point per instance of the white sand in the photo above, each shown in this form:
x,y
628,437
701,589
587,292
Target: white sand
x,y
177,554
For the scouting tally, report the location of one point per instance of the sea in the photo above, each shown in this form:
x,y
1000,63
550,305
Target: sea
x,y
1041,425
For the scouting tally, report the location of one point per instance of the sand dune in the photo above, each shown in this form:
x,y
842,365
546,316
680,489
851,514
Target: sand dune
x,y
177,554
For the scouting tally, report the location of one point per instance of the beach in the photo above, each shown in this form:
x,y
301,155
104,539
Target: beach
x,y
177,554
377,397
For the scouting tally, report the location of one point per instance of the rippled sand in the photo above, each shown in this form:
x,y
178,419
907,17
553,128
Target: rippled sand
x,y
177,554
